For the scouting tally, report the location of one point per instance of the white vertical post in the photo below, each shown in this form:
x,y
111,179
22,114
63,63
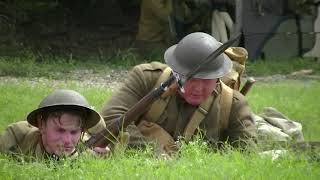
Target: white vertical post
x,y
315,51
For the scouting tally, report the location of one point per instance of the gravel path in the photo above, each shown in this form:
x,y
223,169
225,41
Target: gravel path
x,y
113,79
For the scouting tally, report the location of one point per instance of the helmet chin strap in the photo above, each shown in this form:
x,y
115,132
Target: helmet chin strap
x,y
180,81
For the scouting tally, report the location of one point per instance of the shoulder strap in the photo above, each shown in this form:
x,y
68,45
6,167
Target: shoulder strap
x,y
225,105
202,111
197,118
159,106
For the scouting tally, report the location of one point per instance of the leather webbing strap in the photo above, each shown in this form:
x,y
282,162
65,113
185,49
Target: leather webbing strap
x,y
159,105
225,103
202,111
197,117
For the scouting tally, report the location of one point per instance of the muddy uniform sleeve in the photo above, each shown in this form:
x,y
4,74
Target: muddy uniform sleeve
x,y
140,81
241,129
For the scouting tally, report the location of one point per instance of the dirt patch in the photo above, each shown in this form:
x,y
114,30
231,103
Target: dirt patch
x,y
84,78
113,79
279,77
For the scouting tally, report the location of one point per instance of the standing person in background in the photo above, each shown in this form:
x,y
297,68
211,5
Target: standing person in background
x,y
156,25
315,51
165,22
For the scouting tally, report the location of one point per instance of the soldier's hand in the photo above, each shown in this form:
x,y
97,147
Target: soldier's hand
x,y
122,142
99,151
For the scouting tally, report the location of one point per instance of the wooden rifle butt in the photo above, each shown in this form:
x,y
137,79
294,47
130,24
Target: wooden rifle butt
x,y
247,86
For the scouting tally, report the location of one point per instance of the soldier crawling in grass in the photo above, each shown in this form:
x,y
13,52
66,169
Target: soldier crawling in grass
x,y
54,129
204,102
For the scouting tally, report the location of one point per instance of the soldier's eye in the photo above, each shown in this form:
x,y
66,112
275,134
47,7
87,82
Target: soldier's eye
x,y
61,130
75,132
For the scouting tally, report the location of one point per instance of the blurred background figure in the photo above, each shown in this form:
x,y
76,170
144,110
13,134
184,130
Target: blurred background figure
x,y
315,51
266,26
165,21
158,23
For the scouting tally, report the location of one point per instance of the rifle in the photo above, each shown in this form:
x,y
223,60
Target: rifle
x,y
247,86
108,135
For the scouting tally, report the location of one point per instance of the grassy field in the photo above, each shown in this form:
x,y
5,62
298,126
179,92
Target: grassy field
x,y
56,68
194,162
295,98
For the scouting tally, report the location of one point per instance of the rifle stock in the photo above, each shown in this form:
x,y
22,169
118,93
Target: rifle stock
x,y
247,86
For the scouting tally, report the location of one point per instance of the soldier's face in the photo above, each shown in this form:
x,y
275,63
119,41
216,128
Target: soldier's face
x,y
198,90
60,135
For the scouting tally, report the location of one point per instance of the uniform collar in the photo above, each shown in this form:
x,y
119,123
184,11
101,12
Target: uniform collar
x,y
41,152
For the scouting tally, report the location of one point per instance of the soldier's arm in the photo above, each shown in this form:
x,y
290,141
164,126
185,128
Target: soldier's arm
x,y
241,129
7,140
139,82
129,93
12,135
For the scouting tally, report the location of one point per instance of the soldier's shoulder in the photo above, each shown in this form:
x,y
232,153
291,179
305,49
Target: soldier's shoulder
x,y
153,66
21,124
21,128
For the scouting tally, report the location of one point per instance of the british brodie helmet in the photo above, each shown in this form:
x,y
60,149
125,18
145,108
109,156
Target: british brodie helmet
x,y
63,99
191,51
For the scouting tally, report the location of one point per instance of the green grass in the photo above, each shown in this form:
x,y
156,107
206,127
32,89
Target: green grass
x,y
296,99
281,66
29,65
195,161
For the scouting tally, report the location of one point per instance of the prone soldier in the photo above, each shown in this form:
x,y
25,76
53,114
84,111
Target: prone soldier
x,y
203,101
53,129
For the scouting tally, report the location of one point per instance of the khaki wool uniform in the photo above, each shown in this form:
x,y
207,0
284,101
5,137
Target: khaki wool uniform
x,y
25,137
22,138
177,113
